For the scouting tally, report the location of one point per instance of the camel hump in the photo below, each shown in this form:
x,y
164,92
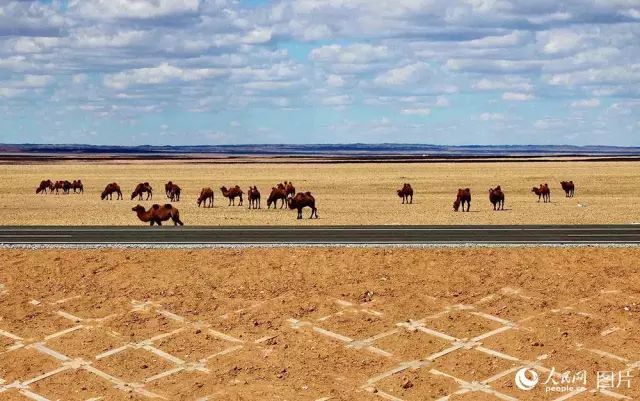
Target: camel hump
x,y
168,206
155,206
308,193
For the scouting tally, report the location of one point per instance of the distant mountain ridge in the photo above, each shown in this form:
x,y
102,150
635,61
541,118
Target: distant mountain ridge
x,y
344,150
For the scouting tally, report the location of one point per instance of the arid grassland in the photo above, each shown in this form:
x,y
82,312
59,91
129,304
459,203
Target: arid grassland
x,y
606,192
312,324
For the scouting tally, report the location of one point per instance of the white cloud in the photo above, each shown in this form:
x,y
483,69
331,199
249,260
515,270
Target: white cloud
x,y
442,101
137,9
412,74
586,103
506,83
335,81
491,117
422,111
336,101
517,97
158,75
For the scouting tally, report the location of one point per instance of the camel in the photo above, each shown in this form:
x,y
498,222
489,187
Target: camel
x,y
65,186
206,194
463,196
44,186
109,190
569,188
302,200
157,214
77,185
173,191
276,194
140,189
253,195
496,197
543,192
290,189
406,193
232,193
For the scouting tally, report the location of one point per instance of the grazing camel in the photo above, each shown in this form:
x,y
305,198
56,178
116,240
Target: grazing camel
x,y
109,190
406,193
569,188
276,194
173,191
232,193
142,188
463,196
44,186
65,186
496,197
543,192
77,185
157,214
206,194
302,200
253,195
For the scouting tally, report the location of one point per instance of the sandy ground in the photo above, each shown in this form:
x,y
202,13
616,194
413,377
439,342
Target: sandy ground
x,y
345,193
312,324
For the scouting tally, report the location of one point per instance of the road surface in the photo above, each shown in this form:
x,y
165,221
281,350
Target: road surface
x,y
362,235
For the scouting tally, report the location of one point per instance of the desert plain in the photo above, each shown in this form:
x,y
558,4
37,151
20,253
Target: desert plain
x,y
346,194
317,324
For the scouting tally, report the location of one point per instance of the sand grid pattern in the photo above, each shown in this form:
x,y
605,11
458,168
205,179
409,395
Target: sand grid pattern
x,y
418,348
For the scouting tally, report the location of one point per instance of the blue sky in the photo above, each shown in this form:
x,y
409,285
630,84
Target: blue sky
x,y
191,72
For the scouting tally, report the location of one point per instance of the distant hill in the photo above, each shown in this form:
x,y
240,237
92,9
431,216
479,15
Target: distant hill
x,y
341,150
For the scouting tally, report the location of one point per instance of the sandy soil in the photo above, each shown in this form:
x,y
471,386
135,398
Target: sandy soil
x,y
308,324
345,193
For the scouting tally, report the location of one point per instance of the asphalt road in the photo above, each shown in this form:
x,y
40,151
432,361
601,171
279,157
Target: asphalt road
x,y
415,235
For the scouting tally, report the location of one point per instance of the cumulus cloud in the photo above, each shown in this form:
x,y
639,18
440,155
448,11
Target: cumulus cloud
x,y
517,97
158,75
586,103
491,117
411,74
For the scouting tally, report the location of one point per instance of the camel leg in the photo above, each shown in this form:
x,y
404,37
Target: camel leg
x,y
259,206
299,213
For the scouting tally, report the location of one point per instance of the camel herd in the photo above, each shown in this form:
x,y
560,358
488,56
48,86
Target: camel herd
x,y
285,193
496,196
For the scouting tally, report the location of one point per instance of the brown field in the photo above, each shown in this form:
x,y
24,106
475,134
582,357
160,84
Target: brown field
x,y
307,324
607,192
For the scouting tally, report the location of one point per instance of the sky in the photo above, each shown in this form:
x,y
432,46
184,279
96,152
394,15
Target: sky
x,y
190,72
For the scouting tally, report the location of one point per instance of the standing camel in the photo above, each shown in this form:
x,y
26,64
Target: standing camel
x,y
569,188
44,186
77,184
253,195
406,193
276,194
543,192
496,197
302,200
157,214
232,193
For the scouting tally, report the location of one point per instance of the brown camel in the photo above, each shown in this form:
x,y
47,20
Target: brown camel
x,y
157,214
276,194
173,191
543,192
569,188
290,189
142,188
44,186
109,190
77,185
206,194
496,197
463,196
302,200
232,193
65,186
406,193
253,195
